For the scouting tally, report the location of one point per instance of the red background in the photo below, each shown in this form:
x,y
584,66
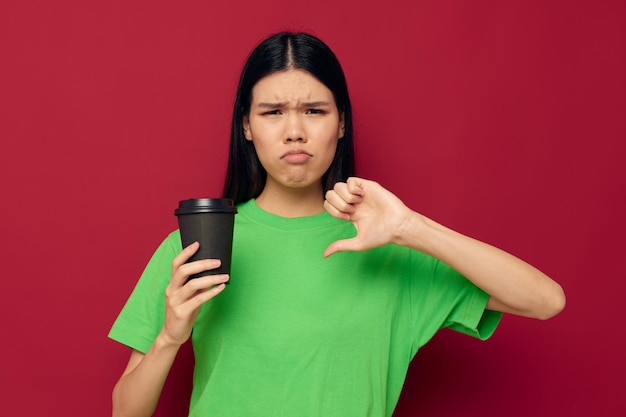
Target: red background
x,y
501,119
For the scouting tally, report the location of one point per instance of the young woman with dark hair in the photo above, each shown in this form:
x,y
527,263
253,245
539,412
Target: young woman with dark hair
x,y
301,332
246,176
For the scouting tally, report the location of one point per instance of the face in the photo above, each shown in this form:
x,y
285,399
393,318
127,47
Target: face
x,y
294,125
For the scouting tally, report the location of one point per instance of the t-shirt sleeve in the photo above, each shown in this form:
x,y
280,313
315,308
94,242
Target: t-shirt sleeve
x,y
442,297
142,316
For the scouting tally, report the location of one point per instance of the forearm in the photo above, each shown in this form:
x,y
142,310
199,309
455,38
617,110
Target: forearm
x,y
138,390
514,286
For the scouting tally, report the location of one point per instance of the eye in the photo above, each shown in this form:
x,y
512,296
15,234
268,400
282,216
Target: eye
x,y
271,113
315,111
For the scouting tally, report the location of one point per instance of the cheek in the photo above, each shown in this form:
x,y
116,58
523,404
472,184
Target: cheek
x,y
265,150
261,151
330,151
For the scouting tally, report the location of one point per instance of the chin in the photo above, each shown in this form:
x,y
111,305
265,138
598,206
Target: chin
x,y
302,183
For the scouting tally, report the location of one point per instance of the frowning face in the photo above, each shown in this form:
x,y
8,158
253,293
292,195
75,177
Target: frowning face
x,y
294,125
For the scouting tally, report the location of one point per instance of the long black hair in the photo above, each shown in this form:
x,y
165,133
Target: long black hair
x,y
245,176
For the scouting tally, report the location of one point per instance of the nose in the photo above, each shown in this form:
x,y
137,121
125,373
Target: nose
x,y
295,131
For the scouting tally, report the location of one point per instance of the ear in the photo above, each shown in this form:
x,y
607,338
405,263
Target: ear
x,y
246,127
342,126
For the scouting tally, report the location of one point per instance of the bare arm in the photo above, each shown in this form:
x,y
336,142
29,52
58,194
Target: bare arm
x,y
380,217
138,390
514,286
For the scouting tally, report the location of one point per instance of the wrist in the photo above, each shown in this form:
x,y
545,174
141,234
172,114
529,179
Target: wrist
x,y
164,342
410,230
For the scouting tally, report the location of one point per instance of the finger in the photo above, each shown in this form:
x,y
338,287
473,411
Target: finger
x,y
198,266
186,313
202,297
342,246
201,284
342,200
177,279
200,290
356,186
182,274
196,286
184,255
336,201
181,270
350,191
334,212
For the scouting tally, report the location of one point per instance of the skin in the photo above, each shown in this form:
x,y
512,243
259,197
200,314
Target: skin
x,y
139,388
294,124
380,218
293,111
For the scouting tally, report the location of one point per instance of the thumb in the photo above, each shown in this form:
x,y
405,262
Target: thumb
x,y
342,246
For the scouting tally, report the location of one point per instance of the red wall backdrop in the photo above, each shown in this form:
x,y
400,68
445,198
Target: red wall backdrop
x,y
502,119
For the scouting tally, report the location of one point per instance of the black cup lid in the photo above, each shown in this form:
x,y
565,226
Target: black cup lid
x,y
205,205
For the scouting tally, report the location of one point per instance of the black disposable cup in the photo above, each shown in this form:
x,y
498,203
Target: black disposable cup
x,y
208,221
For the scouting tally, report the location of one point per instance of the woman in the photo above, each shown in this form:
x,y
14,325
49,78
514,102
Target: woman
x,y
301,332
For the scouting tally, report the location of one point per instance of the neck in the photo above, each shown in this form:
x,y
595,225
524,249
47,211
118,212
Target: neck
x,y
292,202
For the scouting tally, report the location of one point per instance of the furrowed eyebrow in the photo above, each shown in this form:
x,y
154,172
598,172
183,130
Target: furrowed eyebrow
x,y
316,104
271,105
279,105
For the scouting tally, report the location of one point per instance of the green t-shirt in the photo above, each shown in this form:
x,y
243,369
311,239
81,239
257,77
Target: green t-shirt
x,y
295,334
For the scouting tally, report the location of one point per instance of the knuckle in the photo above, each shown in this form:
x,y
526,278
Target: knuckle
x,y
184,269
194,284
